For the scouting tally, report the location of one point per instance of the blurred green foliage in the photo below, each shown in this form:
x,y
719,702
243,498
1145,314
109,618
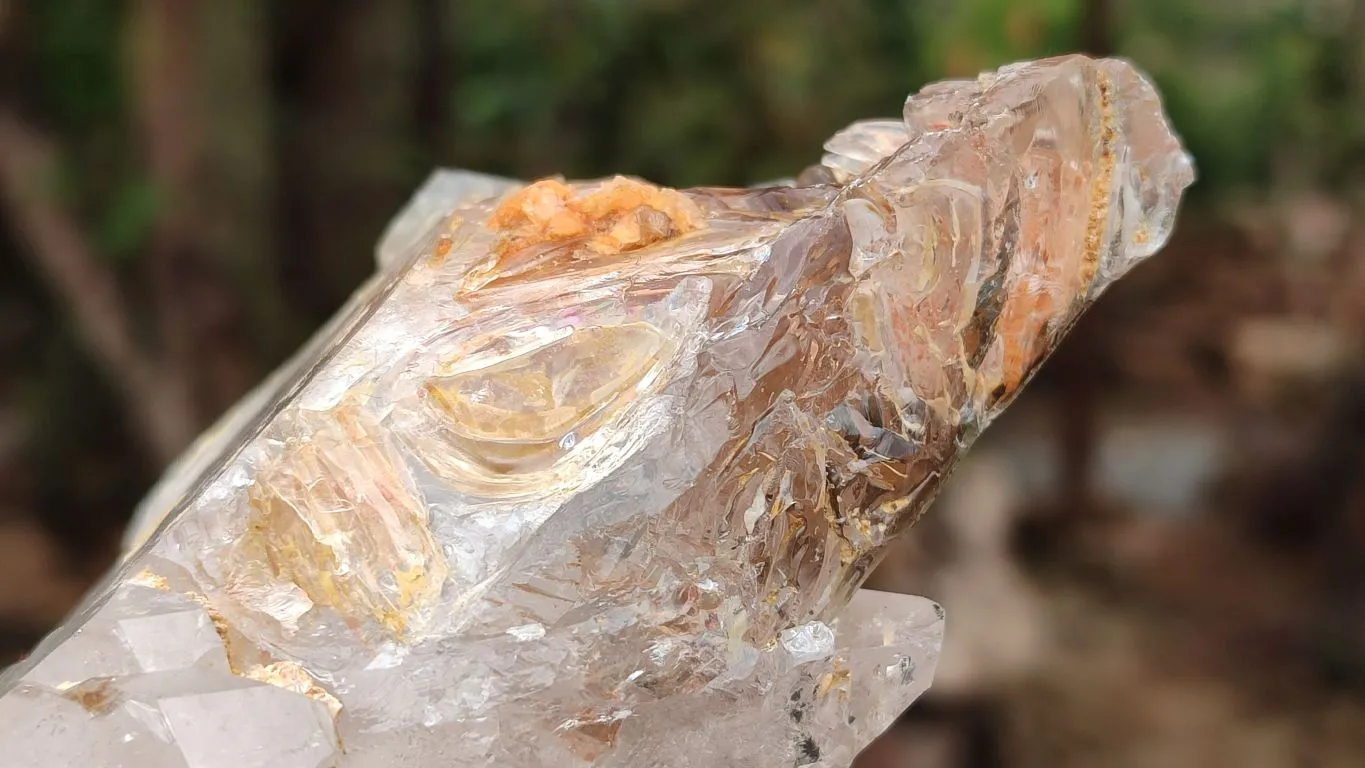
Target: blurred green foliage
x,y
714,91
691,91
1263,92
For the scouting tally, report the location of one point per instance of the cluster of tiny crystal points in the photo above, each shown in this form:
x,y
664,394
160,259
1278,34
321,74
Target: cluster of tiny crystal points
x,y
590,473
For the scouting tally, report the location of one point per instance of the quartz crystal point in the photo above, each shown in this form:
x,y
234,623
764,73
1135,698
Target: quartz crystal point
x,y
590,473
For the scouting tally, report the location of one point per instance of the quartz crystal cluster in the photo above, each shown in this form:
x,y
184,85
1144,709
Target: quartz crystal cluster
x,y
590,473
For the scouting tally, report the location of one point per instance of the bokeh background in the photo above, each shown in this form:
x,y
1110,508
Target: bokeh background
x,y
1157,558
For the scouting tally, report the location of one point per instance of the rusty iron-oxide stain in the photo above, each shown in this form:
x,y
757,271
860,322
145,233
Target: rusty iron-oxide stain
x,y
97,696
148,578
288,675
1100,192
443,246
292,677
339,523
590,736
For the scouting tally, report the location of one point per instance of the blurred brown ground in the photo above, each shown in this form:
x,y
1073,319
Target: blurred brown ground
x,y
1155,559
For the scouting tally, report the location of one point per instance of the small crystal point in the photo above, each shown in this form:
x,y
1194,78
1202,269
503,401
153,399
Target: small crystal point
x,y
590,473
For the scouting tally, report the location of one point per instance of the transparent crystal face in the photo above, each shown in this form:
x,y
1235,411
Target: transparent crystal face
x,y
591,472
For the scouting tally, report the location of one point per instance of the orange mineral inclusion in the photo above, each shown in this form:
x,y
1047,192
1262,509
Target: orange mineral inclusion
x,y
619,215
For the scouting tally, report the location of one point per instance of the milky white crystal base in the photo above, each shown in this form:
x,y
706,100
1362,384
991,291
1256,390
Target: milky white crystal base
x,y
145,683
156,690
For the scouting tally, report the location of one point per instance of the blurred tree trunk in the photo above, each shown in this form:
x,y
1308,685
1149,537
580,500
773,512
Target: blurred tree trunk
x,y
176,79
1097,27
435,73
347,151
236,103
156,402
161,46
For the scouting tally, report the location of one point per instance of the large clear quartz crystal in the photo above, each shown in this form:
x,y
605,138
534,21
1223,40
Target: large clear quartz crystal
x,y
590,473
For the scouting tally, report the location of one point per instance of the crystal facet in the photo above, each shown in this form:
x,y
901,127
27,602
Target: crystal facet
x,y
590,473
